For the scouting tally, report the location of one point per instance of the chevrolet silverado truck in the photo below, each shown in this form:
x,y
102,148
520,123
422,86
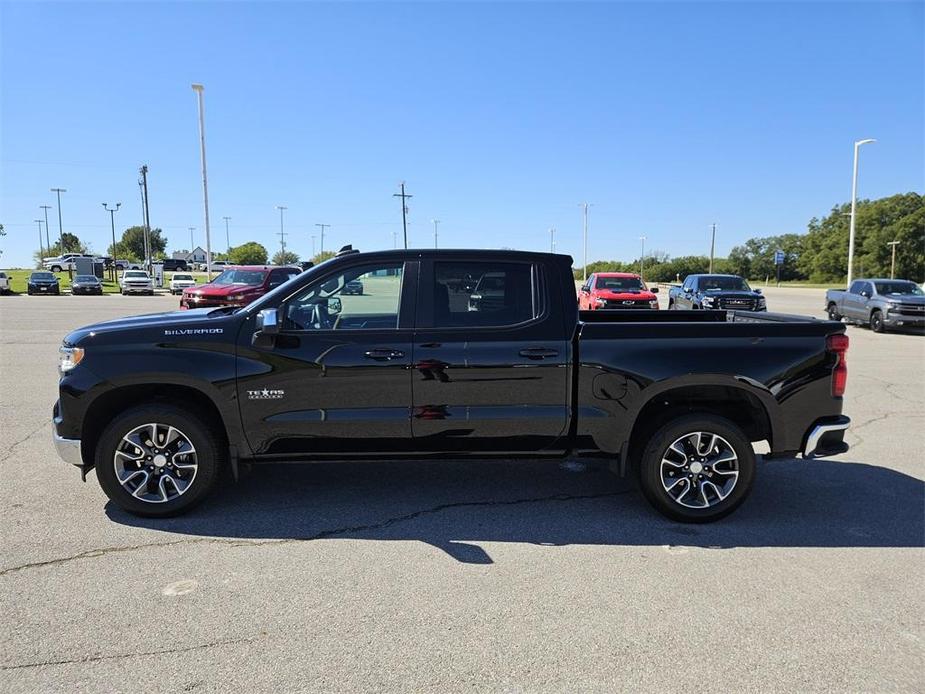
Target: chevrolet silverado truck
x,y
237,286
729,292
414,367
882,304
616,290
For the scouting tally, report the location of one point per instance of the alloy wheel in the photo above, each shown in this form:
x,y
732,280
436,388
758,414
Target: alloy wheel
x,y
699,469
155,463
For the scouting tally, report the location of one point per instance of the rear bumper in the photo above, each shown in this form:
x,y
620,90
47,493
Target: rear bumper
x,y
826,437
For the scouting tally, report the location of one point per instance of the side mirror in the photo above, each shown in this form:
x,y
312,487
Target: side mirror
x,y
865,294
654,290
334,306
757,290
268,321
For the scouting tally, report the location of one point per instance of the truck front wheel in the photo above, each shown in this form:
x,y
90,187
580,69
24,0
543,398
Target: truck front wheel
x,y
697,468
876,322
158,460
833,311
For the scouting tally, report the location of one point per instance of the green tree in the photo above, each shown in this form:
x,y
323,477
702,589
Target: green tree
x,y
72,244
755,258
250,253
132,244
285,258
321,257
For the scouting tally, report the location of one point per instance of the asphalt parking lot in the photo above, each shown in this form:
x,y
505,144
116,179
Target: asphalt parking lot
x,y
479,576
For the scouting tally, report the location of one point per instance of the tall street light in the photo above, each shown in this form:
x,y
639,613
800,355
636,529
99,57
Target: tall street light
x,y
60,225
712,247
198,88
854,204
47,241
893,259
584,271
552,239
227,235
191,242
41,252
436,222
112,222
642,257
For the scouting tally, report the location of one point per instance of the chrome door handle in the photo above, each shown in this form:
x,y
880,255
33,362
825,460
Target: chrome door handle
x,y
538,352
384,354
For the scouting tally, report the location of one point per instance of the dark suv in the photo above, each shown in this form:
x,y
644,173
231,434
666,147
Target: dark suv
x,y
175,264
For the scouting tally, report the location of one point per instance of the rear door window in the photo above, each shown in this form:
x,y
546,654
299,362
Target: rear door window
x,y
479,294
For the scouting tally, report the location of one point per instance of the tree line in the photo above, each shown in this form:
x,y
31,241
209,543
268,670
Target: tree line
x,y
818,255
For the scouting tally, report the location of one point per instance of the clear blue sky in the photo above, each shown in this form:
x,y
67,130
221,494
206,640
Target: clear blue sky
x,y
500,117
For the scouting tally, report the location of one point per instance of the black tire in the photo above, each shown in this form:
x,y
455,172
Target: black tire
x,y
832,310
670,305
211,453
56,268
649,469
876,322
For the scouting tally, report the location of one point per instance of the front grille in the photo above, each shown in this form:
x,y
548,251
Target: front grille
x,y
910,309
741,304
626,303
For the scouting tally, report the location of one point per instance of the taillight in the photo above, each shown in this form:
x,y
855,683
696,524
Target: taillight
x,y
838,345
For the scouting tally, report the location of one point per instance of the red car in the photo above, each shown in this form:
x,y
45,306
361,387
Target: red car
x,y
613,290
237,286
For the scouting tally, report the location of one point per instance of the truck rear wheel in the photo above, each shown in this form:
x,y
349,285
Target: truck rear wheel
x,y
697,468
833,311
158,460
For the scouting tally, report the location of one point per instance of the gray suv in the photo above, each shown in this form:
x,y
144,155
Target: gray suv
x,y
879,303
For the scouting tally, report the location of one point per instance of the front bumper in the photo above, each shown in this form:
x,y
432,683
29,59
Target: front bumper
x,y
68,449
904,320
826,437
137,289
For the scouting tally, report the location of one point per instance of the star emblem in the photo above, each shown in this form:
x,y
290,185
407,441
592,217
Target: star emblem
x,y
265,393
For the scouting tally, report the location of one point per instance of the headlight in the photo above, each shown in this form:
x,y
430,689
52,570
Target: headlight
x,y
69,357
600,302
653,303
762,301
708,300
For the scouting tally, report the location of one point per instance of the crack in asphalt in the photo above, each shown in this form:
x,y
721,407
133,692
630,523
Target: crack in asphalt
x,y
117,656
12,446
331,532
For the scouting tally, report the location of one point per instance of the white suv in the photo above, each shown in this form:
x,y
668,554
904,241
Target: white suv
x,y
136,282
4,283
180,281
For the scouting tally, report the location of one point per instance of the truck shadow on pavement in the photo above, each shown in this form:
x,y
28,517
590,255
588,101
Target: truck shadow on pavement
x,y
457,505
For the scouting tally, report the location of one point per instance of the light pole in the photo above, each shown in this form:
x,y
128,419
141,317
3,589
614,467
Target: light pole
x,y
323,227
227,235
47,240
894,244
198,88
112,222
854,204
642,257
584,271
712,246
436,222
41,252
191,242
60,225
282,233
552,239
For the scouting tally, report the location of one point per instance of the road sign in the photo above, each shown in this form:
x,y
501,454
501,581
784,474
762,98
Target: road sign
x,y
778,257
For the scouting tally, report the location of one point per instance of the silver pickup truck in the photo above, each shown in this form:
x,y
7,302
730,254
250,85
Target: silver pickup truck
x,y
880,303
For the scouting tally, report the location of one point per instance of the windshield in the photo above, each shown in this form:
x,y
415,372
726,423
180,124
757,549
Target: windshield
x,y
183,277
85,278
248,277
903,288
42,276
132,274
714,283
619,284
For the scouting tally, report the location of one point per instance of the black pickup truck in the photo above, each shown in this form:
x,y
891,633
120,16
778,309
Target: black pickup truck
x,y
414,367
715,292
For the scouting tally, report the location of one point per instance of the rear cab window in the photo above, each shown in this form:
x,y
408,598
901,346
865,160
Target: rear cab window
x,y
484,294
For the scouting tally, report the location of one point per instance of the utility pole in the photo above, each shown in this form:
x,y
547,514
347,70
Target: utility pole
x,y
893,260
323,227
112,221
41,252
394,239
552,239
436,222
584,271
147,213
61,226
47,240
404,211
191,242
282,233
198,88
227,235
854,205
642,257
712,247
